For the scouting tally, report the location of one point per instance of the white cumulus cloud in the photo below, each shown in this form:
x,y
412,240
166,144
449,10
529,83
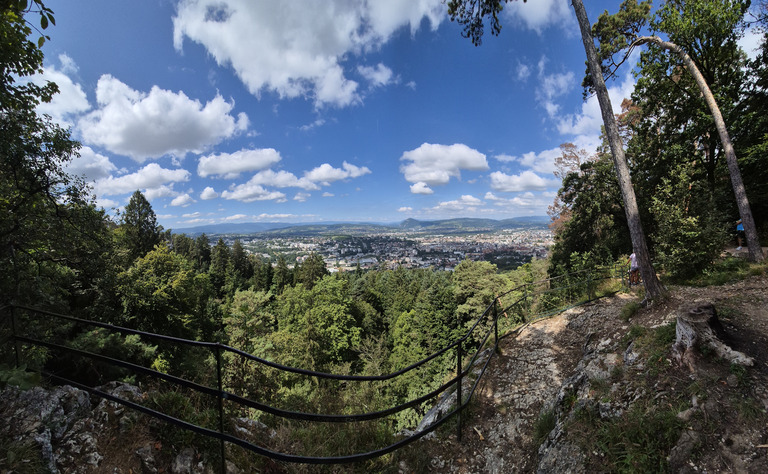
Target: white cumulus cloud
x,y
282,179
183,200
326,174
297,49
249,192
379,76
230,165
208,194
541,162
541,14
165,190
433,164
149,125
152,176
466,203
552,86
525,181
71,100
590,119
91,165
421,188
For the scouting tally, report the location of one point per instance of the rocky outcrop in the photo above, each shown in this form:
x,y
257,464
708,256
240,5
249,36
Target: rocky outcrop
x,y
72,429
54,419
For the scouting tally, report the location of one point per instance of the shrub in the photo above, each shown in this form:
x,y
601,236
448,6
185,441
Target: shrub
x,y
688,237
629,310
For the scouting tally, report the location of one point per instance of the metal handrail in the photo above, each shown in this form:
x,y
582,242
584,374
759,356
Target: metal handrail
x,y
493,311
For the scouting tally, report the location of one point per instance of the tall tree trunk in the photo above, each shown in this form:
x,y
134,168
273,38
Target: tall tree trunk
x,y
653,288
745,212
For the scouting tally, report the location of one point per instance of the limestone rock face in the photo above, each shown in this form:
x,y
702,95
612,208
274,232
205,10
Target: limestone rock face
x,y
49,417
69,427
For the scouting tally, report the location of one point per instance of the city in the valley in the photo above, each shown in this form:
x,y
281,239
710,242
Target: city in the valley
x,y
348,248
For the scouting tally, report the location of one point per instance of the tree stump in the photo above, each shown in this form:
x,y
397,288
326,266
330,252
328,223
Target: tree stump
x,y
699,327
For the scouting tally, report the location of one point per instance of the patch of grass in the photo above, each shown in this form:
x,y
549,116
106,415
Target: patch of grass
x,y
600,387
629,310
637,442
617,372
748,409
635,332
723,271
727,312
740,372
190,409
21,457
696,388
653,344
657,362
18,376
570,398
664,335
657,347
543,426
755,270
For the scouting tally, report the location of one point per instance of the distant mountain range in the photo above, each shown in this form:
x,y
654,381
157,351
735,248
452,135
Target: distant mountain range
x,y
446,226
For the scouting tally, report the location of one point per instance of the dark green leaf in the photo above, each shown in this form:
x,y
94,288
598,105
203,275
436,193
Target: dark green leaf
x,y
43,21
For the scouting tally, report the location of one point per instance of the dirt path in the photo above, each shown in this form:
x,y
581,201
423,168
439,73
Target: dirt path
x,y
498,433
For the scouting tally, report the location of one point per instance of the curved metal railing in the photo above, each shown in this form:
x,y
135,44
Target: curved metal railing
x,y
527,302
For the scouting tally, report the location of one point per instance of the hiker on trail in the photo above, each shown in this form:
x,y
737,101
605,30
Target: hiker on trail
x,y
634,270
739,233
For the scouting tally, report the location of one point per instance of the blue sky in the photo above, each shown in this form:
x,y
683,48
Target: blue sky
x,y
325,110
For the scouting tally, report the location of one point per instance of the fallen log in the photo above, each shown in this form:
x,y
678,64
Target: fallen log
x,y
699,327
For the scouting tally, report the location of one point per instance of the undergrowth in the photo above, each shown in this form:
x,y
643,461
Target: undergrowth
x,y
629,310
641,438
20,457
543,426
727,270
636,442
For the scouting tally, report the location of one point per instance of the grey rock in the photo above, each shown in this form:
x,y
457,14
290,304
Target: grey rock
x,y
630,356
184,462
681,453
606,410
561,458
600,368
686,415
147,459
232,468
249,428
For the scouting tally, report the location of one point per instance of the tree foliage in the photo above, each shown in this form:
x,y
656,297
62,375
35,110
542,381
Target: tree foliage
x,y
51,235
689,89
139,230
597,222
162,293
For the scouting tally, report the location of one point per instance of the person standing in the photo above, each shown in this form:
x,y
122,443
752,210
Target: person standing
x,y
739,233
634,270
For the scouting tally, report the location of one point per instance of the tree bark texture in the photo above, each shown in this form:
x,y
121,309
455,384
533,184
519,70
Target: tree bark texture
x,y
698,327
653,287
745,212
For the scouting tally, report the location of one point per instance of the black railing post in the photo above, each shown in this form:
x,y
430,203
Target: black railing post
x,y
495,324
526,307
13,333
221,407
458,391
